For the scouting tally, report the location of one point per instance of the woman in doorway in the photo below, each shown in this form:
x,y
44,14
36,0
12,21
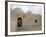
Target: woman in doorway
x,y
19,22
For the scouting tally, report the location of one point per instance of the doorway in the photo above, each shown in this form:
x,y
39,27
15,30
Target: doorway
x,y
19,22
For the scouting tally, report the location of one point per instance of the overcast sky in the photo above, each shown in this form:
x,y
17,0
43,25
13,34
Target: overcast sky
x,y
33,8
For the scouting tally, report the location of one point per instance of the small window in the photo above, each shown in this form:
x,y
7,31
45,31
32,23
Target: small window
x,y
35,21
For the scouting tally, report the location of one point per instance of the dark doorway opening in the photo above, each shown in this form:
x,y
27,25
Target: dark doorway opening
x,y
35,21
19,22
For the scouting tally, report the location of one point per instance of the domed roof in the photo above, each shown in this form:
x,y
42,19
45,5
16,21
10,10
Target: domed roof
x,y
17,10
29,12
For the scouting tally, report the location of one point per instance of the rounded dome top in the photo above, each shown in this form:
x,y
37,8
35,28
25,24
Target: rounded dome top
x,y
29,12
17,10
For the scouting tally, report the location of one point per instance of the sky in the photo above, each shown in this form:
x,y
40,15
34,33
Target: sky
x,y
34,9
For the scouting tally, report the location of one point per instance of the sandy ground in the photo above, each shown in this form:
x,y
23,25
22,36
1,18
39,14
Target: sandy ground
x,y
24,27
30,28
